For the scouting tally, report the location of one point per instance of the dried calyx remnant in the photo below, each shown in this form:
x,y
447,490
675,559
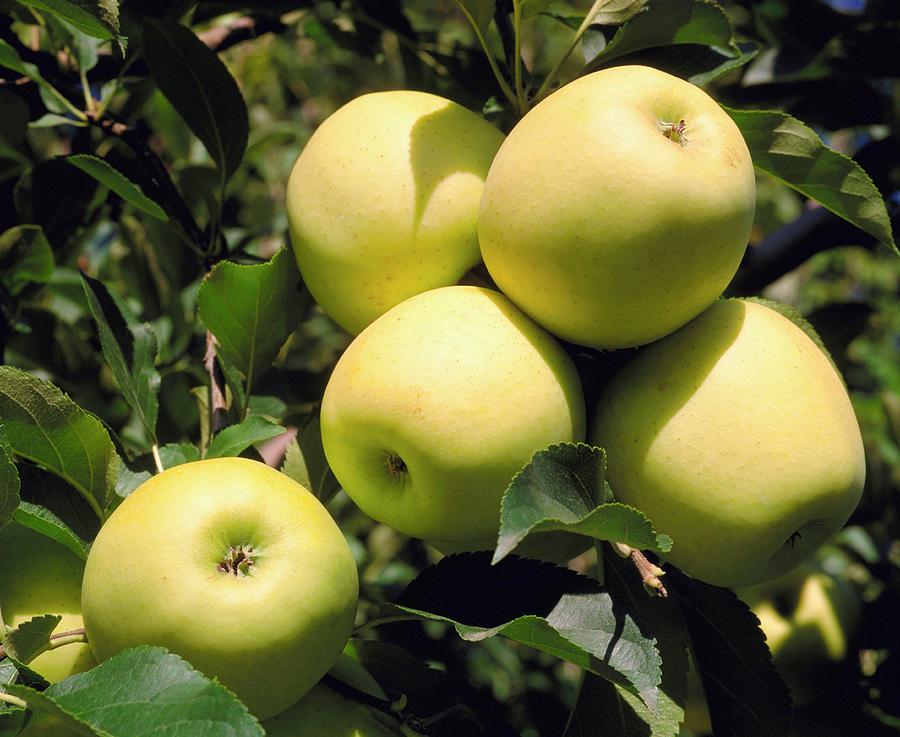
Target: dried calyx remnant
x,y
673,131
237,561
395,464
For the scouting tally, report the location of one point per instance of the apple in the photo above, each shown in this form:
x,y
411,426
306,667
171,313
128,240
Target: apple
x,y
808,618
323,712
41,576
435,406
383,201
231,565
618,208
735,435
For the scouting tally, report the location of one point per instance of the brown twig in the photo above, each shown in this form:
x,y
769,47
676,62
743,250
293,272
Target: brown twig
x,y
218,408
650,572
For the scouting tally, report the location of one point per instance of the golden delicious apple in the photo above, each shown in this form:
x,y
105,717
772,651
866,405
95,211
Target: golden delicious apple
x,y
808,618
736,436
437,404
618,208
41,576
231,565
383,201
325,713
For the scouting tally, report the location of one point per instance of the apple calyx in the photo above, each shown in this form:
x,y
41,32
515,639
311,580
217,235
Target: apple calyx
x,y
396,466
674,131
237,561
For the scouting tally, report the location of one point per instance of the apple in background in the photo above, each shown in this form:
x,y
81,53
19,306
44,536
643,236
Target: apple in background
x,y
231,565
736,437
653,196
323,712
41,576
383,201
809,618
434,408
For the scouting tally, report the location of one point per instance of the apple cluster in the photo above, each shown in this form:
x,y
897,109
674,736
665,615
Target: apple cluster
x,y
612,216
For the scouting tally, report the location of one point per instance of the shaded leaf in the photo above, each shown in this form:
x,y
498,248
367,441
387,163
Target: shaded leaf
x,y
25,257
14,116
541,605
74,13
143,691
667,23
117,182
305,462
129,348
43,425
127,480
479,12
200,88
745,694
235,439
175,454
9,486
790,151
30,638
251,310
563,488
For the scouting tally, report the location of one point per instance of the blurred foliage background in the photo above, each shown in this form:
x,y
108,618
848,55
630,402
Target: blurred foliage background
x,y
833,64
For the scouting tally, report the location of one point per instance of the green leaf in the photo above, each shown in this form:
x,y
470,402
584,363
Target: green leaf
x,y
43,425
791,152
25,257
541,605
175,454
200,88
129,348
128,480
479,12
730,61
9,486
251,310
53,508
114,180
667,23
14,116
745,694
235,439
144,691
30,638
563,488
74,13
305,462
532,8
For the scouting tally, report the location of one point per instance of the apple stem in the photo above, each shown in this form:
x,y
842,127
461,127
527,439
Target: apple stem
x,y
650,572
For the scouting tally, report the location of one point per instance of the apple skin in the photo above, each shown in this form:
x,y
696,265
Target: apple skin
x,y
41,576
434,408
736,437
808,618
383,201
323,712
646,232
152,578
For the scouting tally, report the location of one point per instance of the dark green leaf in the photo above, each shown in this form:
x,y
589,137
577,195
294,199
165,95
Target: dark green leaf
x,y
25,257
200,88
30,638
43,425
129,347
145,691
479,12
117,182
786,149
531,8
73,13
9,486
730,61
745,694
235,439
128,480
666,23
174,454
541,605
305,462
562,488
251,310
14,115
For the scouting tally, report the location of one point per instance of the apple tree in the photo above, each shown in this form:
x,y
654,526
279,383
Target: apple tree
x,y
153,316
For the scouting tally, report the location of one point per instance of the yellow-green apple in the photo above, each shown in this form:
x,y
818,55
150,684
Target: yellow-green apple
x,y
41,576
231,565
383,201
435,406
736,436
809,618
652,193
325,713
